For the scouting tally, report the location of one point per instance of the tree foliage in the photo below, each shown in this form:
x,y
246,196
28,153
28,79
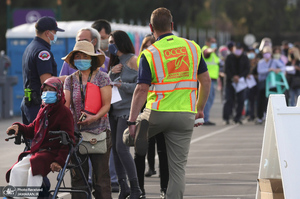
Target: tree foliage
x,y
272,18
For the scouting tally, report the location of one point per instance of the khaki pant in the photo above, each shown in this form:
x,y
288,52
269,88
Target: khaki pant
x,y
177,128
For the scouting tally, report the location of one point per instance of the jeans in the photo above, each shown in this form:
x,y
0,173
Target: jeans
x,y
112,170
124,163
294,93
210,100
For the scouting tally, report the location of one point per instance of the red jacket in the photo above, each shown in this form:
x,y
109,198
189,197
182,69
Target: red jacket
x,y
59,118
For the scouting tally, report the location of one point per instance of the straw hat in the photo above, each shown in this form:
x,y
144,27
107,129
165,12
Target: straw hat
x,y
87,48
267,49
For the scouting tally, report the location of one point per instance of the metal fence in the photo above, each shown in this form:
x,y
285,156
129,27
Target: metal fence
x,y
199,35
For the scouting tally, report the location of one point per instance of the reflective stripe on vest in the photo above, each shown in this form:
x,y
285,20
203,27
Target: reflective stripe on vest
x,y
161,87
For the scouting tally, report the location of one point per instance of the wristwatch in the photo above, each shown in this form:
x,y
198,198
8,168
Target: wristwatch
x,y
130,123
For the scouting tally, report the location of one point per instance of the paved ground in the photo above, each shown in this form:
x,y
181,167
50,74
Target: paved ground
x,y
223,160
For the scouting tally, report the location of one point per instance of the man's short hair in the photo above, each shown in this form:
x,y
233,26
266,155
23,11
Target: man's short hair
x,y
161,20
209,39
94,35
102,23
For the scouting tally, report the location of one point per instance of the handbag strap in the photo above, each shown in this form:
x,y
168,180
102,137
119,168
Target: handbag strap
x,y
270,63
72,103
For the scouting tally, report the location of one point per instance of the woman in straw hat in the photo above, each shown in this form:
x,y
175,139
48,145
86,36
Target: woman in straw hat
x,y
87,63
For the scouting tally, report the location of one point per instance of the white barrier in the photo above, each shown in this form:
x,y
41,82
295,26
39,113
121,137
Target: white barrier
x,y
281,148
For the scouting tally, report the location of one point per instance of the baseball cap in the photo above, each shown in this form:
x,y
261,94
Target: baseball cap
x,y
47,23
230,44
238,45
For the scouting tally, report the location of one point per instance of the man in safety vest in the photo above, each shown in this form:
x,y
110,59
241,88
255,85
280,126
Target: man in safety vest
x,y
168,73
212,61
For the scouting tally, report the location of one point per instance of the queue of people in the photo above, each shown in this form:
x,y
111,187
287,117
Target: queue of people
x,y
93,55
254,63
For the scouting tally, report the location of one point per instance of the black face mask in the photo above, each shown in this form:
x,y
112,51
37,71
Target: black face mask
x,y
292,56
285,51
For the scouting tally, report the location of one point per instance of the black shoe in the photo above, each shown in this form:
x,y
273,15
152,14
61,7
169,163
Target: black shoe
x,y
143,196
115,187
163,193
150,172
209,123
238,122
226,122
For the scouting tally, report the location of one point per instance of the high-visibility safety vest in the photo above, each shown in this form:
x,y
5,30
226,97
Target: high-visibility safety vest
x,y
173,63
212,64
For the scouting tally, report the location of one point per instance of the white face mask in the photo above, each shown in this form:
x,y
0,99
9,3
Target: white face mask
x,y
104,44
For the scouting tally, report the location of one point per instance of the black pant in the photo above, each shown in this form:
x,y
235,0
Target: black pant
x,y
163,163
233,99
151,153
262,102
252,98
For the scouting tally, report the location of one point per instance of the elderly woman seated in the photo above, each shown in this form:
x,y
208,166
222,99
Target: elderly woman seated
x,y
44,155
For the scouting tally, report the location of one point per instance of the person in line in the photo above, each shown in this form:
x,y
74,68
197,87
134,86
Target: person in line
x,y
294,79
159,139
168,74
87,63
264,66
123,72
223,52
38,64
44,155
251,93
212,61
104,29
237,66
90,35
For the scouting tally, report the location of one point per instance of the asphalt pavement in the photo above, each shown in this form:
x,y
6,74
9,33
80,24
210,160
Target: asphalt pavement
x,y
223,160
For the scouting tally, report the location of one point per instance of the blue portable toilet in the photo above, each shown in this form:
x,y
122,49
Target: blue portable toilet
x,y
19,37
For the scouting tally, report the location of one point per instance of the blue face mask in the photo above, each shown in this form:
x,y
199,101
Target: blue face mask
x,y
113,49
54,39
251,55
49,97
214,45
82,64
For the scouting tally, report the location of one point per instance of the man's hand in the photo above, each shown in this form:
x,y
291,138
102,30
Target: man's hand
x,y
235,79
200,114
132,130
55,167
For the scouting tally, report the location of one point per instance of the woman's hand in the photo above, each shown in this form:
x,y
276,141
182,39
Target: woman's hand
x,y
13,127
54,166
117,68
88,120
